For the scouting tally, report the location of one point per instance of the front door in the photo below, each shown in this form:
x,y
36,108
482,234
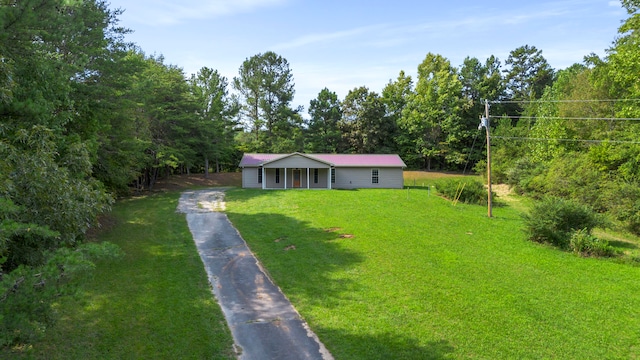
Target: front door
x,y
296,178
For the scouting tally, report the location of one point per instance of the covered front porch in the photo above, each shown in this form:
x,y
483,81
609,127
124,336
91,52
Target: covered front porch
x,y
296,178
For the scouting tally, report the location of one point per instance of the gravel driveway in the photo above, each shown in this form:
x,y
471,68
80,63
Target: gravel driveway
x,y
263,322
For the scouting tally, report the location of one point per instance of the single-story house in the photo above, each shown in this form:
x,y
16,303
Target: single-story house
x,y
321,171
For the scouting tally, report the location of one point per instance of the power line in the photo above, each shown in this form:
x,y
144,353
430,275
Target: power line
x,y
558,101
469,156
562,118
565,140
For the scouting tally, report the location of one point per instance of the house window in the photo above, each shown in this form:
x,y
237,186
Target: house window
x,y
315,176
277,176
259,175
333,176
374,176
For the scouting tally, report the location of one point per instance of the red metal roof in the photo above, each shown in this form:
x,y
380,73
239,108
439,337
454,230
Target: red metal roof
x,y
338,160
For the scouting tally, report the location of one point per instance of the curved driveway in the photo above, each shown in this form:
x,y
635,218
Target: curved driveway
x,y
263,322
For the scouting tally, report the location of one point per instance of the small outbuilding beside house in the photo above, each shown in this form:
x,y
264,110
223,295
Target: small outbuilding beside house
x,y
321,171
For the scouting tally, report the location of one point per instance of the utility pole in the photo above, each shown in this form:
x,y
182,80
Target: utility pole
x,y
487,126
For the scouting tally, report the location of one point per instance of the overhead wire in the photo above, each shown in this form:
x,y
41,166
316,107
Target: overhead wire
x,y
558,101
464,172
565,140
560,118
563,118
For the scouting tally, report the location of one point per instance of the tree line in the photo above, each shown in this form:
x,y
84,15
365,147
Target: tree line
x,y
86,116
431,123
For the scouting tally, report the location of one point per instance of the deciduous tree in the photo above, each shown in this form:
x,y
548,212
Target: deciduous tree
x,y
211,134
431,118
365,126
395,97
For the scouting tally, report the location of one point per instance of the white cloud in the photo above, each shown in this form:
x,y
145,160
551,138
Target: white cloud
x,y
386,35
312,39
170,12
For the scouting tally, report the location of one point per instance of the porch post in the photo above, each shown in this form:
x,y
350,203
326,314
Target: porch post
x,y
329,178
285,178
307,178
264,179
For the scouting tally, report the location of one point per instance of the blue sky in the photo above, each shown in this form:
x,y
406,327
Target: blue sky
x,y
346,44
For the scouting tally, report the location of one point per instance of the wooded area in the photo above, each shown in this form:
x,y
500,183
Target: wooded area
x,y
86,117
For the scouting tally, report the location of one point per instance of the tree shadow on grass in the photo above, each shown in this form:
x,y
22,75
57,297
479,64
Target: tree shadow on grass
x,y
315,270
385,346
622,244
153,303
302,260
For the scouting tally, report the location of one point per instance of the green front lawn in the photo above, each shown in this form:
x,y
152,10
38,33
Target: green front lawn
x,y
155,303
403,274
378,274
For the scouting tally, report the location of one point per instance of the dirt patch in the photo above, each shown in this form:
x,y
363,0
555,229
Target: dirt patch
x,y
331,229
346,236
290,247
501,190
105,223
201,201
182,182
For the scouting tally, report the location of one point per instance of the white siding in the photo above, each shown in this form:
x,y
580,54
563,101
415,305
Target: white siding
x,y
270,178
323,178
360,178
296,161
250,178
346,178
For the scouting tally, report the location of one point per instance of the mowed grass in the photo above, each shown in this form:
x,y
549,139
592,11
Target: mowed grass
x,y
403,274
427,178
154,303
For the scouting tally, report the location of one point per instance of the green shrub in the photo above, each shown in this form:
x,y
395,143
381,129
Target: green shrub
x,y
623,202
583,242
27,293
468,191
554,220
521,176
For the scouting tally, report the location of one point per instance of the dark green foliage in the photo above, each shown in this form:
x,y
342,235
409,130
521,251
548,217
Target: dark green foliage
x,y
51,53
210,135
468,191
431,123
582,242
27,293
266,89
45,209
41,191
365,127
520,176
575,176
593,162
632,215
528,73
554,220
323,135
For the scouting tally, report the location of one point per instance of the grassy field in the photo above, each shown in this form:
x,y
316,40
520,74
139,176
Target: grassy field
x,y
155,303
426,178
402,274
378,274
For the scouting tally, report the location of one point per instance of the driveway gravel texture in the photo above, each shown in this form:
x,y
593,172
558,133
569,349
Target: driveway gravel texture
x,y
262,320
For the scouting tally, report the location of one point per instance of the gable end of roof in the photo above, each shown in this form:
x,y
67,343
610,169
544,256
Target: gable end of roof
x,y
335,160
